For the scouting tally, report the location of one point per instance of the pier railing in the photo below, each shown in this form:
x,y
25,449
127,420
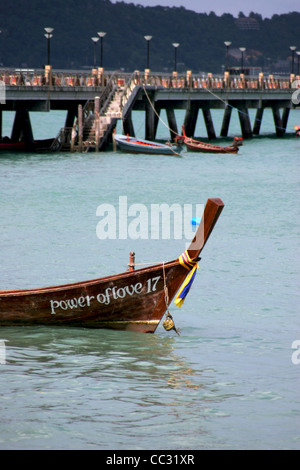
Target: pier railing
x,y
59,80
107,93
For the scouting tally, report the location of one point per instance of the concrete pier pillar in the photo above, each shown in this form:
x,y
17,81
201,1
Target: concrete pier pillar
x,y
190,119
172,122
226,121
150,122
17,128
80,127
209,123
245,122
70,117
97,133
22,127
277,121
128,125
285,117
258,120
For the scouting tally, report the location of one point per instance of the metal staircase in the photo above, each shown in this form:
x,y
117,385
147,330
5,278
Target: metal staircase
x,y
98,125
93,128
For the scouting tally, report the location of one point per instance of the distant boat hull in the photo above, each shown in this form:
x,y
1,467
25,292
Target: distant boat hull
x,y
134,145
13,146
36,146
203,147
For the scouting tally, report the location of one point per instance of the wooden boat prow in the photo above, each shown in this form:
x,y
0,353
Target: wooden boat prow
x,y
198,146
134,300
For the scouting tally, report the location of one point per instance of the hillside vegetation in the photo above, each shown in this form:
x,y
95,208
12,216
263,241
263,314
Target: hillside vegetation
x,y
201,36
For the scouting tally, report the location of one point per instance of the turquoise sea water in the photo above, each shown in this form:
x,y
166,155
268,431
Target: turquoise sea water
x,y
230,380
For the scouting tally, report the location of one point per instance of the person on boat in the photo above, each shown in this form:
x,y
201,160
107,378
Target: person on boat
x,y
297,129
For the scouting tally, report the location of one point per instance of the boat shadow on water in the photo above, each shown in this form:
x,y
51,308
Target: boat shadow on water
x,y
94,352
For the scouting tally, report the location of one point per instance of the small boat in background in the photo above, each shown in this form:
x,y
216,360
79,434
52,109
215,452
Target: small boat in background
x,y
134,145
198,146
9,146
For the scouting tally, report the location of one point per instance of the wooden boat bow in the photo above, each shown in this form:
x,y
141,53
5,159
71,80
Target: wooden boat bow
x,y
211,214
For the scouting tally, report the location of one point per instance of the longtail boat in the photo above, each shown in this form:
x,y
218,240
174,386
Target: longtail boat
x,y
198,146
8,146
134,300
130,144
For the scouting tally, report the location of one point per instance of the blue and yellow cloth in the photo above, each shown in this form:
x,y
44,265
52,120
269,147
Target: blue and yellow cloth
x,y
192,266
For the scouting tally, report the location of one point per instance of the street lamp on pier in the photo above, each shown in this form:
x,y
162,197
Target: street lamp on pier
x,y
148,39
227,44
48,36
95,40
298,66
242,49
175,45
293,48
101,35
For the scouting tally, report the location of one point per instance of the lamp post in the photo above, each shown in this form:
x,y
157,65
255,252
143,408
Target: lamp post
x,y
148,39
101,35
293,48
175,45
298,66
242,49
48,36
227,44
95,40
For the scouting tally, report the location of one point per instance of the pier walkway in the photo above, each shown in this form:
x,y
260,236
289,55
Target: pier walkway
x,y
94,103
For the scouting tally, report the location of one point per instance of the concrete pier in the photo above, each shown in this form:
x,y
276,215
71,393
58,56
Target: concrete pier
x,y
94,103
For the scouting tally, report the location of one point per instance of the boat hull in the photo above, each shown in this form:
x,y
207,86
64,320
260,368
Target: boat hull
x,y
198,146
35,146
207,148
132,301
12,146
133,145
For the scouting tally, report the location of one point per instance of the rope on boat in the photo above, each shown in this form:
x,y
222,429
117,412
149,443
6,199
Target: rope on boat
x,y
171,130
151,104
168,323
